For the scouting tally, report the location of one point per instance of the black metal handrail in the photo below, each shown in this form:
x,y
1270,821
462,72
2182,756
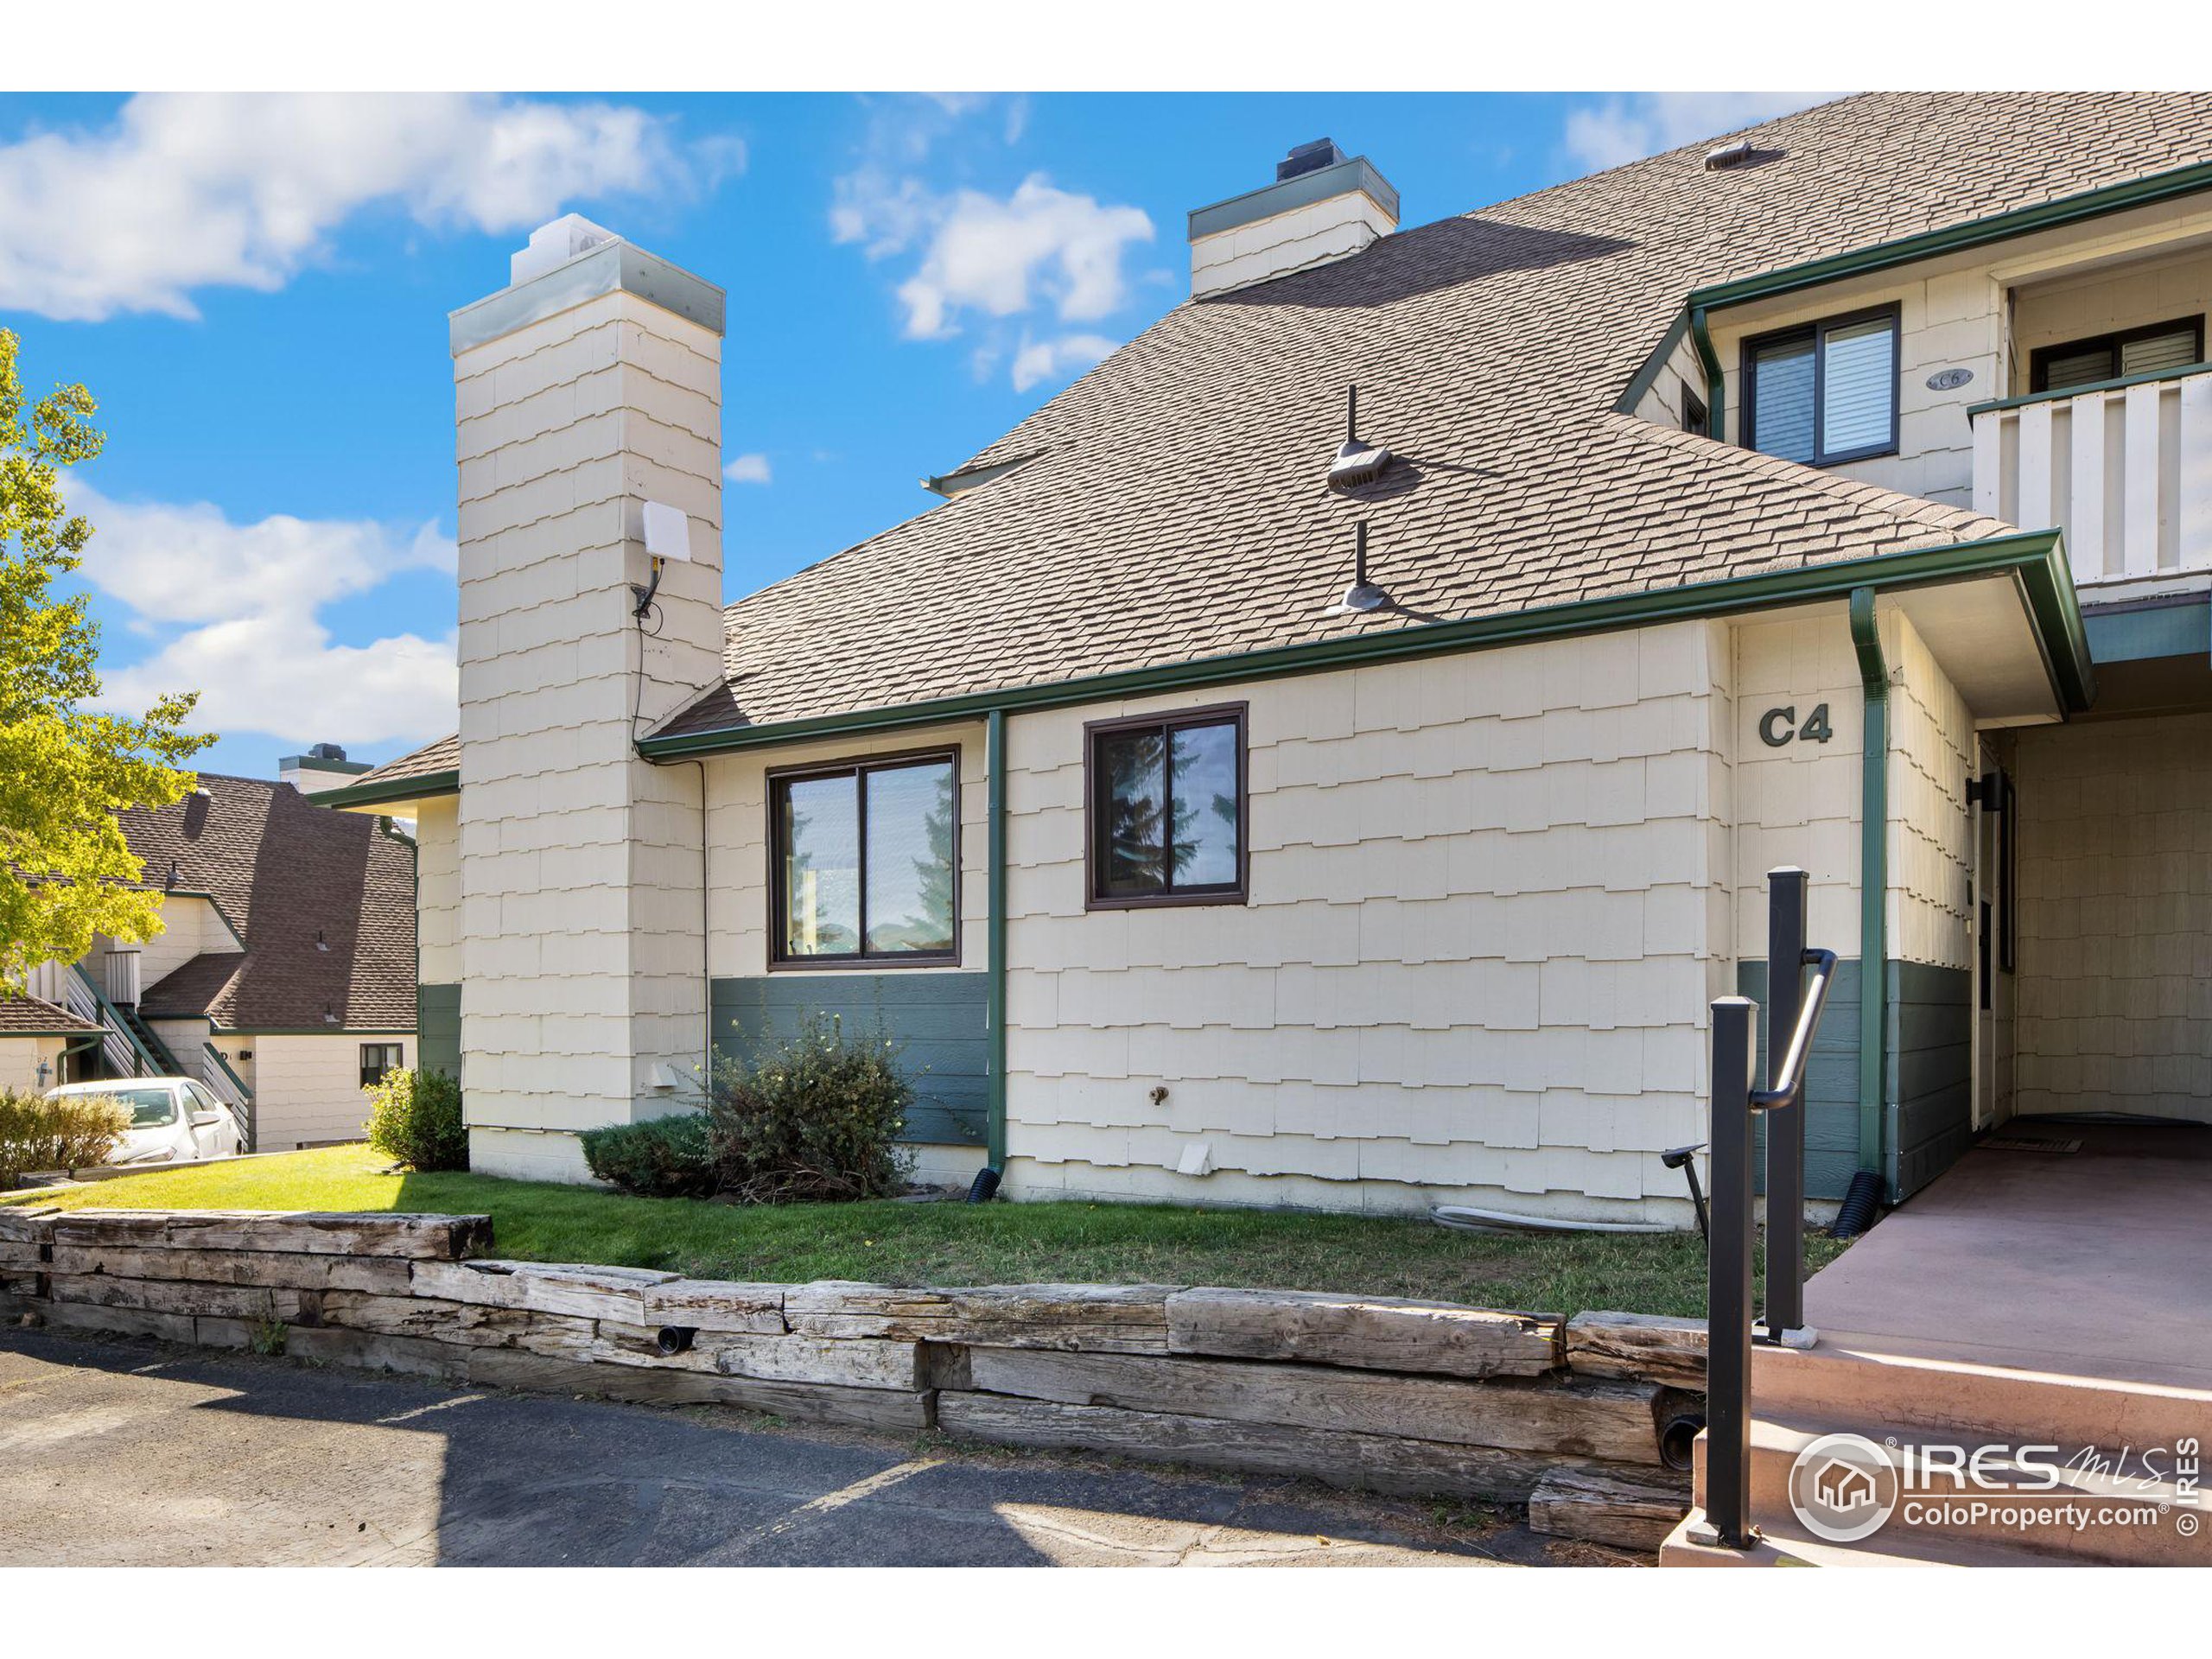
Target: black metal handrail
x,y
1795,1006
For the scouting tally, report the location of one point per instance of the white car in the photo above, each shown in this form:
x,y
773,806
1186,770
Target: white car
x,y
173,1120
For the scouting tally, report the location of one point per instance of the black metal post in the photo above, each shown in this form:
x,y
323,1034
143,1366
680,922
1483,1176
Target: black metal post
x,y
1785,1126
1728,1281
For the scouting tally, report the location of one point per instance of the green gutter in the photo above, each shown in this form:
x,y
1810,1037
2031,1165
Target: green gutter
x,y
384,791
994,838
1953,239
1716,384
2083,391
2035,558
1873,877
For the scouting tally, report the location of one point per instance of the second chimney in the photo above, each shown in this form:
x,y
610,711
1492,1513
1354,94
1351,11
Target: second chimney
x,y
1323,206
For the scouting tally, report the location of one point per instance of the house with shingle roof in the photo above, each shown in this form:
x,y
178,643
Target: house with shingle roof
x,y
284,977
1230,791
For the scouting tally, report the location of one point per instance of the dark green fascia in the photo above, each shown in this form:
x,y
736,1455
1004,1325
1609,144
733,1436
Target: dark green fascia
x,y
1953,239
385,790
995,990
2121,384
1874,874
1647,376
295,1031
2033,556
2179,627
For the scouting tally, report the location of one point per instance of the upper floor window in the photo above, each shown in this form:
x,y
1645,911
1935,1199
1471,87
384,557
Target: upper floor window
x,y
1167,809
1826,392
2114,357
1697,420
865,859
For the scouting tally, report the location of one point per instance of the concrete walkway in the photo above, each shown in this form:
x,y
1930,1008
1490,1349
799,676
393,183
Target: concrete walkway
x,y
2095,1263
126,1453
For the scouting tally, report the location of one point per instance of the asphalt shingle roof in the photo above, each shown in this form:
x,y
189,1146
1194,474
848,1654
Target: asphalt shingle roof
x,y
25,1016
324,900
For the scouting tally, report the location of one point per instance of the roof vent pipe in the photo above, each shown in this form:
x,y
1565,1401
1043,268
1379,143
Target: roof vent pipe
x,y
1357,462
1728,156
1363,596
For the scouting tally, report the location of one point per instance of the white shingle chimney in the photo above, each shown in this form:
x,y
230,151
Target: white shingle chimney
x,y
1323,206
324,766
588,396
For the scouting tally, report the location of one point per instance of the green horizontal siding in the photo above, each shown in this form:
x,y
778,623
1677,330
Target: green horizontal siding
x,y
1930,1108
937,1020
437,1028
1831,1082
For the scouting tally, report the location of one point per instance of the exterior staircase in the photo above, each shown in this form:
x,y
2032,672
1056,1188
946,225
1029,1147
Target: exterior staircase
x,y
1905,1403
164,1059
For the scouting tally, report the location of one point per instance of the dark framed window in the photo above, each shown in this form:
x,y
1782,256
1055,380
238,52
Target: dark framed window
x,y
1166,798
1826,392
2173,344
1697,420
864,862
377,1058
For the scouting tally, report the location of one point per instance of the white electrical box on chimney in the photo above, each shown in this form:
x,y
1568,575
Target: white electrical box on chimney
x,y
668,531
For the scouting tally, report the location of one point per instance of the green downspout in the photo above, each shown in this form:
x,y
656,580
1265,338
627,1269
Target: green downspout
x,y
995,839
1873,877
1716,384
61,1060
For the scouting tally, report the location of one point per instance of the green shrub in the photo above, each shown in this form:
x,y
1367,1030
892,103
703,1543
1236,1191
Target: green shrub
x,y
69,1132
660,1158
415,1119
813,1119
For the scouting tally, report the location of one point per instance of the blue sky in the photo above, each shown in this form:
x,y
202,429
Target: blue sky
x,y
256,290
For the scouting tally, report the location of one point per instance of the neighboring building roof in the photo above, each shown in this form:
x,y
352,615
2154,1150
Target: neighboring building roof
x,y
433,769
27,1016
324,900
1170,505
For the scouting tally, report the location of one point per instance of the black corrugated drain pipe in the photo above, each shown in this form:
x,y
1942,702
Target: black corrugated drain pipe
x,y
1862,1202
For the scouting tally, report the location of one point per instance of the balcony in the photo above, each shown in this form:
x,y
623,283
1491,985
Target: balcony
x,y
2123,467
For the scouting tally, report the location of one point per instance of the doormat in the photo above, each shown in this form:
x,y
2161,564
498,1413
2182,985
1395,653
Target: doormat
x,y
2028,1143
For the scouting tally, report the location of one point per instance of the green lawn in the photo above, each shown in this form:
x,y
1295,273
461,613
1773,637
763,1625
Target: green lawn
x,y
957,1244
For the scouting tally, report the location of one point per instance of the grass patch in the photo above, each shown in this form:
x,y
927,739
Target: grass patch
x,y
896,1244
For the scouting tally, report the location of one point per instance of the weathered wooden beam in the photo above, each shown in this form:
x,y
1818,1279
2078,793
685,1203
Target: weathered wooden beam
x,y
717,1305
372,1351
880,1408
116,1321
1643,1345
591,1293
418,1237
1609,1507
1097,1318
435,1319
1373,1463
20,1254
183,1297
1604,1420
1375,1332
21,1223
382,1275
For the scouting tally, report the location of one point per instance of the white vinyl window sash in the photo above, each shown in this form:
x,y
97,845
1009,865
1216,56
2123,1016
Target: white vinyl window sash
x,y
1827,393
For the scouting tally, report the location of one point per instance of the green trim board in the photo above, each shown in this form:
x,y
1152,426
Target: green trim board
x,y
1928,1102
937,1020
1953,239
437,1028
385,790
1654,365
994,1014
2035,558
2176,627
1831,1082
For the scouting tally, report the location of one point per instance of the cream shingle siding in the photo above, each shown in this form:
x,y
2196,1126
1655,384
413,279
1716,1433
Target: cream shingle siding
x,y
579,890
2115,987
189,926
1485,921
20,1058
437,892
1931,829
307,1088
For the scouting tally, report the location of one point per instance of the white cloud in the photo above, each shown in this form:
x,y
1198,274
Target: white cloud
x,y
184,191
1048,359
1042,246
1627,129
1040,251
247,598
749,469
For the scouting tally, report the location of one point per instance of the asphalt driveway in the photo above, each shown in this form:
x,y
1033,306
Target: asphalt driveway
x,y
129,1452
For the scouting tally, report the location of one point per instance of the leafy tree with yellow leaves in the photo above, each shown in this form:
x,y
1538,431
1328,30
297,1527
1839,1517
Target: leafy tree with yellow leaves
x,y
66,872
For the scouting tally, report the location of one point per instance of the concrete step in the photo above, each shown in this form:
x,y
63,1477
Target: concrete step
x,y
2163,1525
1877,1382
1785,1546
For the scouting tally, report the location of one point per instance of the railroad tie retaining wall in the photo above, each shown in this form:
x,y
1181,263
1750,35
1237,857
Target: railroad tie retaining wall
x,y
1371,1393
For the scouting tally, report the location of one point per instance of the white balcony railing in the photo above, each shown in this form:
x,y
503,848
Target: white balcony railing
x,y
2123,467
